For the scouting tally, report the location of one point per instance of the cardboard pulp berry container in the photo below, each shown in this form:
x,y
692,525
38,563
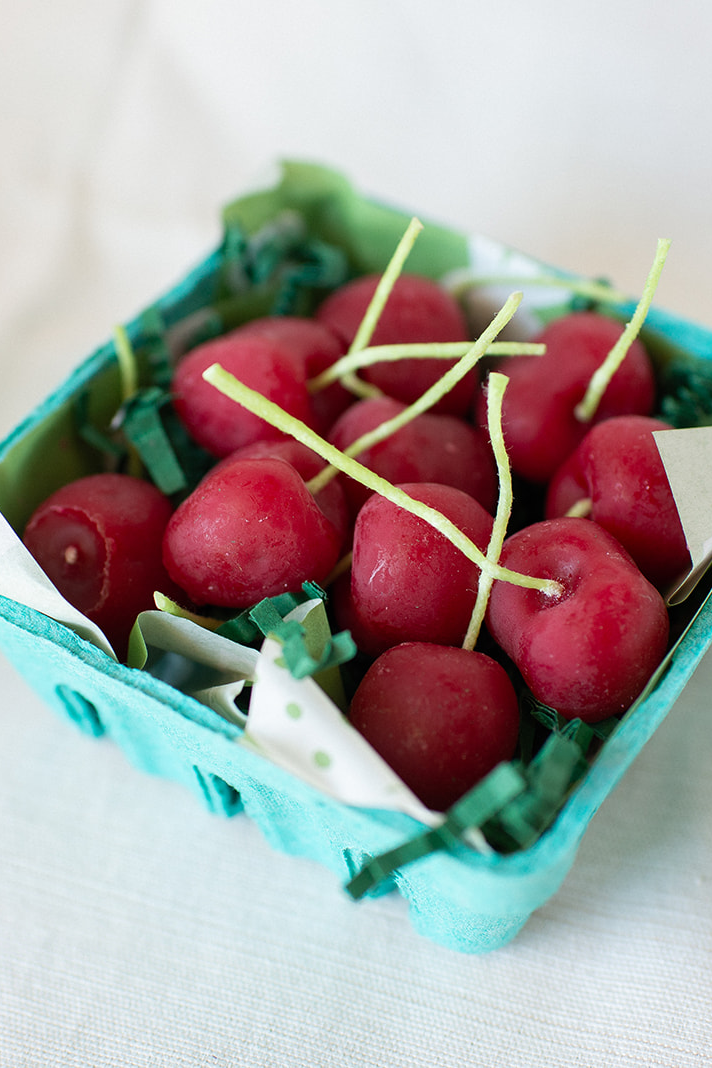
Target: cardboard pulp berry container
x,y
460,895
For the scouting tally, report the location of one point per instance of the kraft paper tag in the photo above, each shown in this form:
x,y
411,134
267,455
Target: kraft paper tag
x,y
687,458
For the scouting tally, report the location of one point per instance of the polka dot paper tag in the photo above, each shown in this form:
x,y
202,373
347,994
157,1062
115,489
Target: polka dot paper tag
x,y
298,727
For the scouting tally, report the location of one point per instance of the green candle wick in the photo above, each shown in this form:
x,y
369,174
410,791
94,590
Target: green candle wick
x,y
376,305
601,378
126,359
496,385
438,350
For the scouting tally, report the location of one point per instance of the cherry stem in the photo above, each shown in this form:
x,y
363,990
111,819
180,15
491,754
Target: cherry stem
x,y
600,379
259,405
432,395
496,385
443,350
373,312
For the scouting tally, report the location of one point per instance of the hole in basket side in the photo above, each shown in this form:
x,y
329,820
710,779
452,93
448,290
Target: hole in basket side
x,y
355,859
81,712
217,794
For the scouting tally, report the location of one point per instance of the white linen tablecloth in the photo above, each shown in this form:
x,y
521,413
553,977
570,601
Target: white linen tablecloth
x,y
135,928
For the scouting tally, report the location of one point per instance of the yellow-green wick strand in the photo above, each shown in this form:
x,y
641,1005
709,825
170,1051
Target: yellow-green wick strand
x,y
430,397
496,385
439,350
128,371
258,404
373,312
600,379
385,285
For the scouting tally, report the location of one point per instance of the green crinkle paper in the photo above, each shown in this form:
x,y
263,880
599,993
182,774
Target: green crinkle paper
x,y
309,647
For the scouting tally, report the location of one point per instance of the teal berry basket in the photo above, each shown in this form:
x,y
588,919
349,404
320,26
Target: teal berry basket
x,y
282,249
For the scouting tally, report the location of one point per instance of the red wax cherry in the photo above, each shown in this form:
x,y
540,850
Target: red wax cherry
x,y
417,310
99,541
251,529
215,421
589,651
408,582
441,717
331,499
538,420
617,467
315,347
430,448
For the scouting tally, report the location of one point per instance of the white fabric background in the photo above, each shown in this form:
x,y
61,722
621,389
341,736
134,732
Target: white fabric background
x,y
135,929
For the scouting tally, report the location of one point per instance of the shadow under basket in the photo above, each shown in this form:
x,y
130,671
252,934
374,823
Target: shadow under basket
x,y
459,896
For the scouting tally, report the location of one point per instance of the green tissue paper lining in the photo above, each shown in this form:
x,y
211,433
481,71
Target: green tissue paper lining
x,y
336,214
